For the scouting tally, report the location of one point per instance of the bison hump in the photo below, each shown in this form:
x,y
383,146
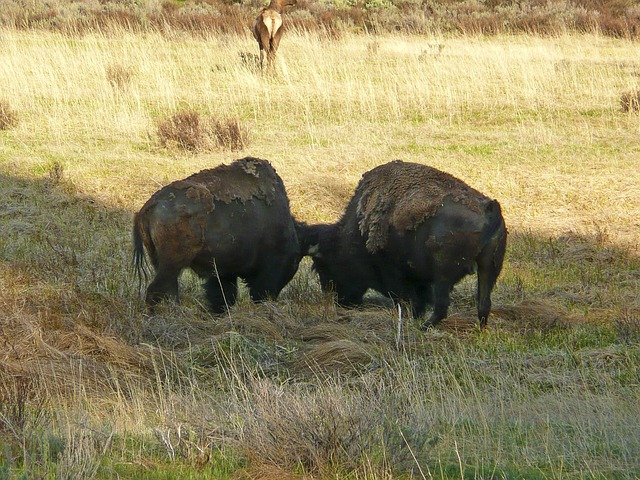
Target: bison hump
x,y
243,180
403,195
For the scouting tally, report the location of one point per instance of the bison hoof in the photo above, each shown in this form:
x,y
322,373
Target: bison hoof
x,y
432,322
427,325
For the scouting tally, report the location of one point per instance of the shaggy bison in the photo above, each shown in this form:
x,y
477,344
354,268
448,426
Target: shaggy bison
x,y
410,231
227,222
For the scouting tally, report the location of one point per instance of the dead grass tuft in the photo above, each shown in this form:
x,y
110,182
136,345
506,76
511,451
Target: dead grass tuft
x,y
334,356
264,471
229,134
80,458
251,61
119,76
311,430
8,117
373,48
538,315
188,130
327,331
183,130
627,327
18,394
56,173
630,101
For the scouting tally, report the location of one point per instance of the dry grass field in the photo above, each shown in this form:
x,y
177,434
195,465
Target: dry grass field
x,y
91,386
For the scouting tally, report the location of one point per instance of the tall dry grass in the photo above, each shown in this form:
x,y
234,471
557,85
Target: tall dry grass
x,y
508,114
91,385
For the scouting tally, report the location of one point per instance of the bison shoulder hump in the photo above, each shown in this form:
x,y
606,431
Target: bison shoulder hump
x,y
242,180
402,195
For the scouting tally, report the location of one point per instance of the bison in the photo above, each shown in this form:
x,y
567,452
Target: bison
x,y
225,223
412,232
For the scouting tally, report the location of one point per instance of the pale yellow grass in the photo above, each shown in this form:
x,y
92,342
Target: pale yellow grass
x,y
534,122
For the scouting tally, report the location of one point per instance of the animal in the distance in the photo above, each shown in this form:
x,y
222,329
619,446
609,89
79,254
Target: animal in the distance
x,y
268,29
225,223
412,232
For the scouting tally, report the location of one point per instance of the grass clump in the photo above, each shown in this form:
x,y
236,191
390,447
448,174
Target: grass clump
x,y
229,134
630,101
119,76
188,130
8,116
184,130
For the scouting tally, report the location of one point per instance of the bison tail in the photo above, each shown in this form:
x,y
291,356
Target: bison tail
x,y
139,261
490,259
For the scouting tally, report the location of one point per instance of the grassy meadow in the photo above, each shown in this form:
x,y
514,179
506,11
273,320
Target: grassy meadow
x,y
91,386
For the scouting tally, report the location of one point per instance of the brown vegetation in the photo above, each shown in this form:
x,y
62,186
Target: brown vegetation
x,y
183,129
119,76
619,18
188,130
230,134
8,117
630,101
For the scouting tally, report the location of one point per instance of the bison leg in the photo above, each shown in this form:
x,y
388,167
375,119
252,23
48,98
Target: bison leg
x,y
163,286
221,292
441,301
421,296
272,275
264,286
349,297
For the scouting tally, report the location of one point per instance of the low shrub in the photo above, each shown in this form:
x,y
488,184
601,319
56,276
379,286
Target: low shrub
x,y
183,130
630,101
229,134
188,130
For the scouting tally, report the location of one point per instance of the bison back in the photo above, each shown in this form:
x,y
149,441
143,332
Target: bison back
x,y
401,196
226,218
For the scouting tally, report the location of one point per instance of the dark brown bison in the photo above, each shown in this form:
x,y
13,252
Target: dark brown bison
x,y
410,231
227,222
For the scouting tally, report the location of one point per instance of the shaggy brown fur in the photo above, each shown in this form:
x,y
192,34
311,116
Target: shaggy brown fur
x,y
227,222
402,195
267,29
226,183
411,232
